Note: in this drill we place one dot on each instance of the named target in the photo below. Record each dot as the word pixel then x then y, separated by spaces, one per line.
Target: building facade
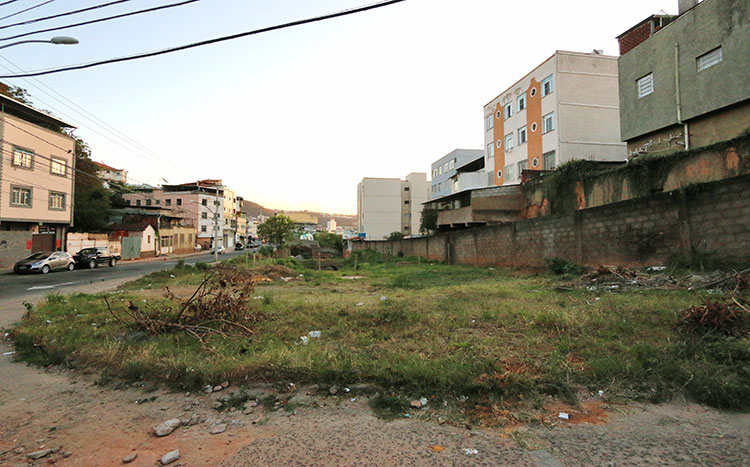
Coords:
pixel 387 205
pixel 445 167
pixel 683 84
pixel 37 169
pixel 111 174
pixel 566 108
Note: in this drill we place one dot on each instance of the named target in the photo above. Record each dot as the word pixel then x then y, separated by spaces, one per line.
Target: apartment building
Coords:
pixel 683 78
pixel 387 205
pixel 445 168
pixel 37 168
pixel 111 174
pixel 566 108
pixel 200 203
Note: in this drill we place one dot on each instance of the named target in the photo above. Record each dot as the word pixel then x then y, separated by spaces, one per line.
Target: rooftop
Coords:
pixel 30 114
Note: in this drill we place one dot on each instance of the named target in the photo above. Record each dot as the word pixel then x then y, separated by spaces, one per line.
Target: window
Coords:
pixel 58 166
pixel 204 202
pixel 645 85
pixel 182 238
pixel 129 202
pixel 204 215
pixel 523 165
pixel 203 228
pixel 137 202
pixel 499 174
pixel 522 135
pixel 490 124
pixel 22 158
pixel 499 143
pixel 148 202
pixel 709 59
pixel 445 167
pixel 508 142
pixel 547 86
pixel 549 160
pixel 440 170
pixel 57 201
pixel 533 92
pixel 407 201
pixel 434 173
pixel 522 102
pixel 451 164
pixel 21 196
pixel 509 172
pixel 533 127
pixel 216 203
pixel 548 122
pixel 508 110
pixel 169 202
pixel 490 150
pixel 179 201
pixel 406 188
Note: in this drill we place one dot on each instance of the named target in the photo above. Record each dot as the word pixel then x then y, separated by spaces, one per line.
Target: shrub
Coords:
pixel 563 266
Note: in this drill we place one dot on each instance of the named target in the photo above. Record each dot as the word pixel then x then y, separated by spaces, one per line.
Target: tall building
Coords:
pixel 37 168
pixel 566 108
pixel 445 168
pixel 683 78
pixel 387 205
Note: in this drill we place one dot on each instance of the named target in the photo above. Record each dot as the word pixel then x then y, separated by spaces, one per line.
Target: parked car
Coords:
pixel 239 246
pixel 93 257
pixel 44 262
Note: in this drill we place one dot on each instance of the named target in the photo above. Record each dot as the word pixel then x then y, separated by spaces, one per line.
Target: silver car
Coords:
pixel 44 262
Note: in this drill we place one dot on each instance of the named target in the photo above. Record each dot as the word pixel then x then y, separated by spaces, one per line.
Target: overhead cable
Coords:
pixel 67 13
pixel 203 43
pixel 98 20
pixel 27 9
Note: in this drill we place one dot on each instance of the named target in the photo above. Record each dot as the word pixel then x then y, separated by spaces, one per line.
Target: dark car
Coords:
pixel 93 257
pixel 44 262
pixel 239 246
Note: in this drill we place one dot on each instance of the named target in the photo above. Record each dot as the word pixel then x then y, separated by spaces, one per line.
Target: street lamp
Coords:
pixel 57 40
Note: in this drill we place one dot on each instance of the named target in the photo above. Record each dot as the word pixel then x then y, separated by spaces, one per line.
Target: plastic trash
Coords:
pixel 259 297
pixel 601 393
pixel 305 340
pixel 423 401
pixel 383 298
pixel 347 389
pixel 470 451
pixel 563 416
pixel 314 334
pixel 9 353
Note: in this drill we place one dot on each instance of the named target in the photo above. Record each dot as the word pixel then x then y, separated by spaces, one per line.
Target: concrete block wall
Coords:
pixel 711 218
pixel 14 246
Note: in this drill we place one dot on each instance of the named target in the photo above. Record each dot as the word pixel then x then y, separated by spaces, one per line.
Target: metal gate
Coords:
pixel 43 241
pixel 131 247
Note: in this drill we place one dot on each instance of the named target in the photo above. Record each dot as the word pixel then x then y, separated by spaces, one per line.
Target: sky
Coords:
pixel 294 119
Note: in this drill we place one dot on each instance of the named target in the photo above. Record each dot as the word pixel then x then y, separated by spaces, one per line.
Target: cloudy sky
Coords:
pixel 293 119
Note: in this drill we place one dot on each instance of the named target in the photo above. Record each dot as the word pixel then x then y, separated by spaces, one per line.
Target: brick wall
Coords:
pixel 634 37
pixel 709 218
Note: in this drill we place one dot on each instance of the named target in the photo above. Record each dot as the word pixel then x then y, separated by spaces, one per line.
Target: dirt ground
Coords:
pixel 95 426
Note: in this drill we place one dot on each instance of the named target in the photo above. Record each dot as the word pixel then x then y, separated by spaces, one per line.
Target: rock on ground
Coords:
pixel 170 457
pixel 165 428
pixel 129 458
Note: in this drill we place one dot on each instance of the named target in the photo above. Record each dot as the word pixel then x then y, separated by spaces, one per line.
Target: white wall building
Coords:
pixel 387 205
pixel 566 108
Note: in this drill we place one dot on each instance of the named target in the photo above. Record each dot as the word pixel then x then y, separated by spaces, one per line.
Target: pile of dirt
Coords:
pixel 274 271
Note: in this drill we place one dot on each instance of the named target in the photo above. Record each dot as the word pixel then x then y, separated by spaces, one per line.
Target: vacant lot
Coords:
pixel 488 338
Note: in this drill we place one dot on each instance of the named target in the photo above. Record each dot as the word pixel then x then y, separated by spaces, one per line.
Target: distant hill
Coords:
pixel 342 220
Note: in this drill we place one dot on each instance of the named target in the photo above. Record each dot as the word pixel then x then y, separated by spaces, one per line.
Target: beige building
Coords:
pixel 37 168
pixel 111 174
pixel 566 108
pixel 387 205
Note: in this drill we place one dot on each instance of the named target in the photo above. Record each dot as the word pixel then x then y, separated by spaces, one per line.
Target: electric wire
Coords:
pixel 205 42
pixel 8 2
pixel 99 20
pixel 88 116
pixel 67 13
pixel 27 9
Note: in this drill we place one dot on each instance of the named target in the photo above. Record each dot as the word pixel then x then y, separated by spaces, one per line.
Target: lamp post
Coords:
pixel 57 40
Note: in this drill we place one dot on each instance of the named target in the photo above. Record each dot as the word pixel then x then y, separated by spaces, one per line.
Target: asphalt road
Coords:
pixel 15 289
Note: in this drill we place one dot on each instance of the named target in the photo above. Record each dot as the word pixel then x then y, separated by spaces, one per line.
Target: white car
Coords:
pixel 221 250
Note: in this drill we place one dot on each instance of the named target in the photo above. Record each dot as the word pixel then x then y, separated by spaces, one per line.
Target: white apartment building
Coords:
pixel 387 205
pixel 566 108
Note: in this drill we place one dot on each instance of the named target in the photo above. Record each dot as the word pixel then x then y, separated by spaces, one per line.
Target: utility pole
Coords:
pixel 216 225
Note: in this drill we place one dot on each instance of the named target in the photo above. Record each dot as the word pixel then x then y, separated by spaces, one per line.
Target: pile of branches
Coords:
pixel 218 306
pixel 615 278
pixel 728 317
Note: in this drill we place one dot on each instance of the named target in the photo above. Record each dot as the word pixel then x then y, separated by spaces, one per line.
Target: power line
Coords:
pixel 89 116
pixel 27 9
pixel 206 42
pixel 9 1
pixel 68 13
pixel 99 20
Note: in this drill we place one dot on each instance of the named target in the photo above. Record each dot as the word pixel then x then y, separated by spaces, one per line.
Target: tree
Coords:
pixel 428 221
pixel 395 236
pixel 276 229
pixel 91 202
pixel 330 240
